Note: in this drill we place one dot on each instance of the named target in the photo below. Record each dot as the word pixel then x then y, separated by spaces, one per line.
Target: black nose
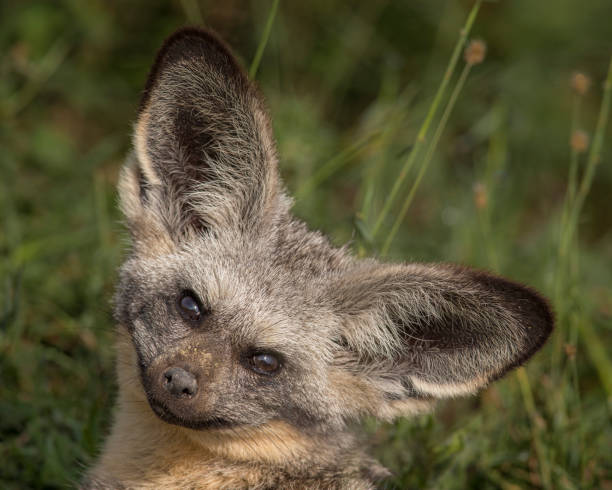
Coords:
pixel 180 383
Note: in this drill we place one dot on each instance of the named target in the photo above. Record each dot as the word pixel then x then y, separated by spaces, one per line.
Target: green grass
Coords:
pixel 349 89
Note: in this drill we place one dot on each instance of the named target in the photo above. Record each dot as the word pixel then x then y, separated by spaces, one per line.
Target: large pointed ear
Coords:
pixel 433 331
pixel 204 156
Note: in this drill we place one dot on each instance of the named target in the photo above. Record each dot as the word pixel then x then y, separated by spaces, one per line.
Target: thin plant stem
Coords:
pixel 495 161
pixel 484 219
pixel 561 274
pixel 574 208
pixel 422 134
pixel 535 426
pixel 484 213
pixel 599 356
pixel 192 12
pixel 428 156
pixel 592 162
pixel 573 172
pixel 575 385
pixel 264 39
pixel 598 139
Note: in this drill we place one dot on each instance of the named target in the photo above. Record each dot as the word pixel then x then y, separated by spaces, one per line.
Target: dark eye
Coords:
pixel 264 364
pixel 189 307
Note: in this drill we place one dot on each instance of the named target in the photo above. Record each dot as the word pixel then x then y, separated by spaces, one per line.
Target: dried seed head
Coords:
pixel 20 53
pixel 579 141
pixel 475 52
pixel 540 422
pixel 480 195
pixel 570 351
pixel 580 83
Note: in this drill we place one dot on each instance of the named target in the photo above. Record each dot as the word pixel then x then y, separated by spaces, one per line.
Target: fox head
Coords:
pixel 237 315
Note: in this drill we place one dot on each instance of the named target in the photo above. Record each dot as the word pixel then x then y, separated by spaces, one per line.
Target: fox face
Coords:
pixel 239 316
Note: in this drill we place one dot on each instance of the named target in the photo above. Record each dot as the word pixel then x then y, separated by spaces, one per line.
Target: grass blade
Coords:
pixel 422 134
pixel 264 39
pixel 428 156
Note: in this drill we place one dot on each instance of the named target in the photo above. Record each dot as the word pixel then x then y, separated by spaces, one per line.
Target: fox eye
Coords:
pixel 189 306
pixel 267 364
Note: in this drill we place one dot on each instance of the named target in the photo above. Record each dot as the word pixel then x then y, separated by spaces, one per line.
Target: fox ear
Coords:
pixel 434 331
pixel 204 155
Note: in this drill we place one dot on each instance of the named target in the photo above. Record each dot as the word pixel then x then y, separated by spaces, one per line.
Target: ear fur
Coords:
pixel 204 154
pixel 436 330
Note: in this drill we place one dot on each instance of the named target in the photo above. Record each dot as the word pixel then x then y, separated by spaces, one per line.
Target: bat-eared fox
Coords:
pixel 247 344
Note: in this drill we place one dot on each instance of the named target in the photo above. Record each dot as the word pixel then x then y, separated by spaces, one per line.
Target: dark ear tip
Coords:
pixel 544 311
pixel 184 42
pixel 536 310
pixel 542 316
pixel 190 43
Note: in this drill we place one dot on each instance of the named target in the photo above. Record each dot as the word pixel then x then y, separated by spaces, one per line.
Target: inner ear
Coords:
pixel 444 330
pixel 479 330
pixel 190 108
pixel 203 144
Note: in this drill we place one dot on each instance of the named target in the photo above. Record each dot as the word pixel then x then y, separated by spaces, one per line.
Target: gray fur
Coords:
pixel 208 214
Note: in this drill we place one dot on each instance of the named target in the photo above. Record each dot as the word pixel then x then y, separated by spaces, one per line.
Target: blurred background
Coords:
pixel 348 85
